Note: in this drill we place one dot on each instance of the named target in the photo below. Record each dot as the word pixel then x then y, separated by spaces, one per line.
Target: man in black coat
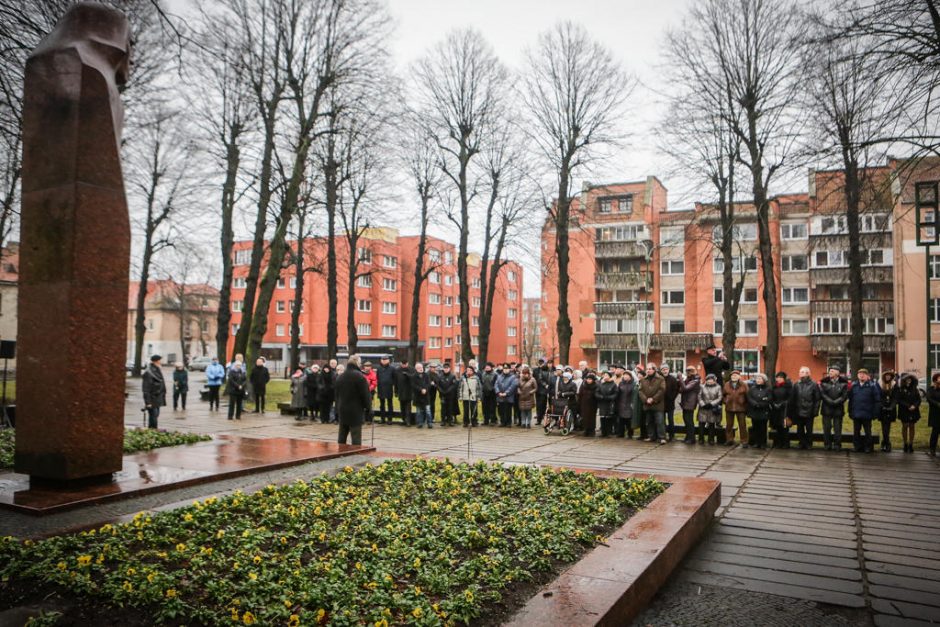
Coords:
pixel 834 390
pixel 403 389
pixel 385 379
pixel 805 401
pixel 543 384
pixel 259 381
pixel 352 401
pixel 672 393
pixel 782 395
pixel 716 363
pixel 154 389
pixel 434 376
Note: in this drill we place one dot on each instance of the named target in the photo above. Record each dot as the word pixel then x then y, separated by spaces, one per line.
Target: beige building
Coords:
pixel 179 319
pixel 9 277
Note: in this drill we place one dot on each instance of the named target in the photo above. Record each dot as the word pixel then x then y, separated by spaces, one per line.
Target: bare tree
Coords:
pixel 573 92
pixel 460 85
pixel 753 47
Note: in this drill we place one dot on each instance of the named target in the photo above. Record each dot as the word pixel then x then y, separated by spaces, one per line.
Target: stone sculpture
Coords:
pixel 75 249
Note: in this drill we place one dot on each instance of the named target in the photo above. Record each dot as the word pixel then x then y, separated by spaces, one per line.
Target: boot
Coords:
pixel 701 433
pixel 711 434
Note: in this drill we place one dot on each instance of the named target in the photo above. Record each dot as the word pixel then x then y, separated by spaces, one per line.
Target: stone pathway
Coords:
pixel 807 538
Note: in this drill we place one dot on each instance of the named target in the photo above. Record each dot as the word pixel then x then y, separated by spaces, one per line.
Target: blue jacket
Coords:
pixel 864 401
pixel 507 383
pixel 215 374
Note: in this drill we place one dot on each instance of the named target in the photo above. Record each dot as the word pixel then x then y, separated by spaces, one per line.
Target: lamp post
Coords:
pixel 927 205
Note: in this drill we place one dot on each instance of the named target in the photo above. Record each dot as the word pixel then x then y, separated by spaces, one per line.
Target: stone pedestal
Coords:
pixel 75 251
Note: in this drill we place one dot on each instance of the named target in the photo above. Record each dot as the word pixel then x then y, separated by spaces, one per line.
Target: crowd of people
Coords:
pixel 643 402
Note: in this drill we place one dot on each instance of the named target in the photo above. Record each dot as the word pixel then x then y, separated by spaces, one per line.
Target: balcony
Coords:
pixel 622 341
pixel 843 308
pixel 839 276
pixel 681 341
pixel 619 250
pixel 620 310
pixel 624 281
pixel 839 343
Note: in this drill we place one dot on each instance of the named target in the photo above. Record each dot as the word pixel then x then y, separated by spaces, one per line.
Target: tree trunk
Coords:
pixel 332 323
pixel 852 200
pixel 140 327
pixel 466 345
pixel 486 315
pixel 298 295
pixel 352 338
pixel 227 238
pixel 182 313
pixel 419 281
pixel 562 250
pixel 765 246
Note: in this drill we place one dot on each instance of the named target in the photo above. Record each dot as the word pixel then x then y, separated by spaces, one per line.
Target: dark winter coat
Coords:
pixel 180 380
pixel 587 403
pixel 715 365
pixel 569 391
pixel 311 383
pixel 154 386
pixel 403 385
pixel 672 393
pixel 259 378
pixel 448 386
pixel 933 402
pixel 543 381
pixel 760 399
pixel 352 396
pixel 735 396
pixel 864 401
pixel 626 391
pixel 782 394
pixel 527 390
pixel 908 396
pixel 298 390
pixel 326 383
pixel 385 376
pixel 834 393
pixel 506 384
pixel 805 398
pixel 488 384
pixel 237 383
pixel 889 401
pixel 420 388
pixel 607 394
pixel 653 387
pixel 688 392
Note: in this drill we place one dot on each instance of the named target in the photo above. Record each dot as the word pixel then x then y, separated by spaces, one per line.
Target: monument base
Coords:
pixel 45 483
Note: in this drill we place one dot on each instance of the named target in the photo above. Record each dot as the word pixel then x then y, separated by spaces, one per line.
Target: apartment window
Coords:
pixel 830 326
pixel 830 259
pixel 475 301
pixel 512 295
pixel 434 278
pixel 448 256
pixel 673 267
pixel 448 342
pixel 434 342
pixel 830 225
pixel 205 326
pixel 434 321
pixel 474 321
pixel 747 361
pixel 675 361
pixel 719 327
pixel 750 264
pixel 934 357
pixel 239 283
pixel 291 306
pixel 150 322
pixel 449 321
pixel 235 328
pixel 874 222
pixel 281 283
pixel 719 295
pixel 458 340
pixel 621 233
pixel 388 307
pixel 449 301
pixel 389 261
pixel 511 349
pixel 237 306
pixel 748 326
pixel 795 295
pixel 434 299
pixel 792 326
pixel 280 306
pixel 793 231
pixel 605 205
pixel 365 255
pixel 364 281
pixel 475 283
pixel 389 330
pixel 511 313
pixel 511 276
pixel 672 236
pixel 625 204
pixel 739 232
pixel 475 340
pixel 293 282
pixel 363 305
pixel 935 309
pixel 794 263
pixel 279 330
pixel 673 326
pixel 300 330
pixel 448 279
pixel 243 256
pixel 838 292
pixel 364 328
pixel 880 326
pixel 511 331
pixel 749 295
pixel 673 297
pixel 876 257
pixel 389 285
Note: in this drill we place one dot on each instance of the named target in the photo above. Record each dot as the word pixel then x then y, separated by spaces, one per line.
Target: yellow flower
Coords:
pixel 248 618
pixel 294 620
pixel 220 533
pixel 170 593
pixel 188 518
pixel 417 562
pixel 256 559
pixel 358 565
pixel 417 589
pixel 128 587
pixel 320 614
pixel 235 566
pixel 131 572
pixel 417 612
pixel 180 547
pixel 84 560
pixel 468 595
pixel 283 540
pixel 246 533
pixel 253 576
pixel 151 577
pixel 61 565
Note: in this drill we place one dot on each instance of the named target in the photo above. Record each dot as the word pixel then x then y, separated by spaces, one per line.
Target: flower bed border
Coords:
pixel 613 583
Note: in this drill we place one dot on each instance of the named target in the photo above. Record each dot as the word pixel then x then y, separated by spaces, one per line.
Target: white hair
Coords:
pixel 354 360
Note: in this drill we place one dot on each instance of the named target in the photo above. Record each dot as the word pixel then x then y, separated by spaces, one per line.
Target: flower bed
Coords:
pixel 135 441
pixel 406 542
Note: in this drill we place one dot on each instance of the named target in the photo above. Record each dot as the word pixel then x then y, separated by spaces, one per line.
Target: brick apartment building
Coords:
pixel 630 254
pixel 383 301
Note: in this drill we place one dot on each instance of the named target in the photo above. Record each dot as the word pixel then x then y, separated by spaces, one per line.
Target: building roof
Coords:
pixel 162 294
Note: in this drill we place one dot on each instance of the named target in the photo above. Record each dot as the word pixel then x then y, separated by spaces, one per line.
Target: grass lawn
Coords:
pixel 407 542
pixel 135 440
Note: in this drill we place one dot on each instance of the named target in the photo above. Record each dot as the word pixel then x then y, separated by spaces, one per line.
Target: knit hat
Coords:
pixel 712 377
pixel 781 375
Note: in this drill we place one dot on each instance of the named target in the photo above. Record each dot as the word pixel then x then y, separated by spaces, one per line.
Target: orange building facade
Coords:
pixel 630 254
pixel 383 301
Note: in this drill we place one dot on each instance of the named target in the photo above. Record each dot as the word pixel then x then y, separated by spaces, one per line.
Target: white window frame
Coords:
pixel 787 228
pixel 668 267
pixel 786 328
pixel 668 298
pixel 389 285
pixel 363 304
pixel 788 295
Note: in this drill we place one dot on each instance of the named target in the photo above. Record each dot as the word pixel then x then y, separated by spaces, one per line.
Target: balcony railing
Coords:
pixel 839 343
pixel 837 276
pixel 621 341
pixel 681 341
pixel 618 250
pixel 624 280
pixel 843 308
pixel 620 310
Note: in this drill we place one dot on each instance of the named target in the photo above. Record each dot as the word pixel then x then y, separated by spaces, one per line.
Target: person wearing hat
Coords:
pixel 507 385
pixel 543 386
pixel 488 394
pixel 715 362
pixel 154 389
pixel 652 397
pixel 237 389
pixel 624 404
pixel 864 407
pixel 709 408
pixel 759 402
pixel 735 399
pixel 805 401
pixel 469 394
pixel 688 400
pixel 889 407
pixel 526 396
pixel 780 416
pixel 448 387
pixel 834 390
pixel 587 403
pixel 607 391
pixel 669 400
